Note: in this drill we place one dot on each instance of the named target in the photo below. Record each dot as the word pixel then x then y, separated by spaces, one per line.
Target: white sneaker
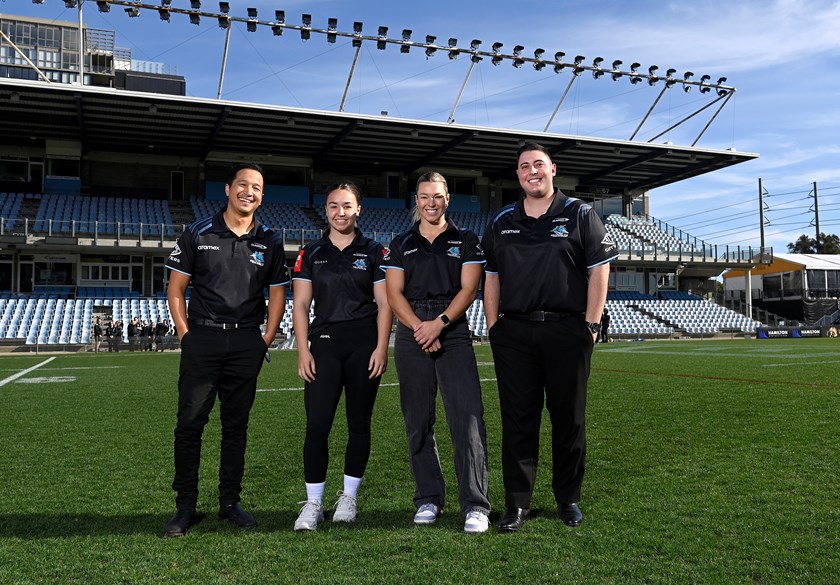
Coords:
pixel 477 521
pixel 345 508
pixel 428 513
pixel 310 515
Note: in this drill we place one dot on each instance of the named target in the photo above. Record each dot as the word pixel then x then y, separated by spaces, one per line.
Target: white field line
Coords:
pixel 14 377
pixel 802 364
pixel 392 384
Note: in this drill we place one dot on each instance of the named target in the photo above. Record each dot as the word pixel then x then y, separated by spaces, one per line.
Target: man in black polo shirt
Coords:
pixel 229 259
pixel 547 273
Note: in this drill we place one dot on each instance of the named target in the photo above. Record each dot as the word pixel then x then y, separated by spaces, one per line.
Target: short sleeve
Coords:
pixel 473 252
pixel 489 249
pixel 598 244
pixel 393 257
pixel 303 265
pixel 182 257
pixel 378 261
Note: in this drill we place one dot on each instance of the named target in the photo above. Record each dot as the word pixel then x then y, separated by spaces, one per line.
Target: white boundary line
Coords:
pixel 14 377
pixel 299 389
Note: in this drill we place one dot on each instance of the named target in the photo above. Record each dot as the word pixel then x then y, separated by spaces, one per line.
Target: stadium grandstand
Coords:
pixel 97 181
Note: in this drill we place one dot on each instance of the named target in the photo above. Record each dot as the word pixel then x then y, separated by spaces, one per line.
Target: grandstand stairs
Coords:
pixel 181 212
pixel 314 217
pixel 29 209
pixel 678 331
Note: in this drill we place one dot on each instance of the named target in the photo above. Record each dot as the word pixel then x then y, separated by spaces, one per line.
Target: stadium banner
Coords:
pixel 786 332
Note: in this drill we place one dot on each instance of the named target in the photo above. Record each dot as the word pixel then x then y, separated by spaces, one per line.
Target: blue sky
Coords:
pixel 783 57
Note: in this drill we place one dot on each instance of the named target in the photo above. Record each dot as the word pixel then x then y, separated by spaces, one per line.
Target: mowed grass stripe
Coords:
pixel 716 470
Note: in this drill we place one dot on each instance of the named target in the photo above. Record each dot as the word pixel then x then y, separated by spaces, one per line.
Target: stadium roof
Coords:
pixel 105 119
pixel 812 261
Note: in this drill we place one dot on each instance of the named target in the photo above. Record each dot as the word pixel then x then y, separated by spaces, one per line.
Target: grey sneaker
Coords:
pixel 345 508
pixel 428 513
pixel 477 521
pixel 310 515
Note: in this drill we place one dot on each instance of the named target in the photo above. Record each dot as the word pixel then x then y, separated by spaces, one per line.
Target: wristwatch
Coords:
pixel 593 327
pixel 444 318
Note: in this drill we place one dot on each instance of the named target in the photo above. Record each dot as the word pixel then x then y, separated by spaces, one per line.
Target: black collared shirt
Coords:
pixel 342 280
pixel 543 262
pixel 433 270
pixel 229 273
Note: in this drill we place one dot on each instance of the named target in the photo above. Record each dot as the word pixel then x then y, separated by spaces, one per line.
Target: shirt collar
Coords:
pixel 450 225
pixel 359 239
pixel 219 225
pixel 556 208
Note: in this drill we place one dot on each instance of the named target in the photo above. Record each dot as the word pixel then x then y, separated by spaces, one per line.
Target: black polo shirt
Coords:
pixel 433 270
pixel 229 273
pixel 342 280
pixel 543 262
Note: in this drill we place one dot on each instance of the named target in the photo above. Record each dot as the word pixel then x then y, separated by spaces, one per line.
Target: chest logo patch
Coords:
pixel 559 231
pixel 360 264
pixel 454 252
pixel 258 258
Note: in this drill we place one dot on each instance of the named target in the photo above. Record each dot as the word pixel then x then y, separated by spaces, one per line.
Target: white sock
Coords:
pixel 351 485
pixel 315 491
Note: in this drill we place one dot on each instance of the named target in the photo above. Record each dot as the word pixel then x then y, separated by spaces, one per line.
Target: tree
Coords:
pixel 829 244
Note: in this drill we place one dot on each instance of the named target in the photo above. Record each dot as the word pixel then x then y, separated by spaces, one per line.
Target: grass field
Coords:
pixel 709 462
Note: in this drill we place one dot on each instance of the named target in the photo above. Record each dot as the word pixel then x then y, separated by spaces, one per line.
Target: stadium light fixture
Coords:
pixel 669 77
pixel 103 6
pixel 476 58
pixel 558 61
pixel 430 40
pixel 704 84
pixel 406 37
pixel 166 3
pixel 134 12
pixel 517 52
pixel 332 24
pixel 195 4
pixel 37 1
pixel 596 63
pixel 70 3
pixel 357 31
pixel 453 51
pixel 224 7
pixel 279 21
pixel 538 55
pixel 616 74
pixel 224 21
pixel 382 33
pixel 721 92
pixel 252 20
pixel 497 59
pixel 579 59
pixel 687 76
pixel 634 70
pixel 474 44
pixel 195 18
pixel 164 14
pixel 652 72
pixel 305 32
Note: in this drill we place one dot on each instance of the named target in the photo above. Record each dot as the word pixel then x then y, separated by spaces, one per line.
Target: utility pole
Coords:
pixel 761 213
pixel 817 219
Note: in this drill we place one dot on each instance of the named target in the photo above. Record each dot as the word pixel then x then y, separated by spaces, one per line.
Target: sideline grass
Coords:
pixel 709 462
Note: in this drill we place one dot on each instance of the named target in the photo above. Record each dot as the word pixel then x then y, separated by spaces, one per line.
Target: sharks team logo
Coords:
pixel 559 231
pixel 360 264
pixel 258 258
pixel 454 252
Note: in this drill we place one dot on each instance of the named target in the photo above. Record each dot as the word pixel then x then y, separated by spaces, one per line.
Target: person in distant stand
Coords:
pixel 97 334
pixel 546 283
pixel 229 259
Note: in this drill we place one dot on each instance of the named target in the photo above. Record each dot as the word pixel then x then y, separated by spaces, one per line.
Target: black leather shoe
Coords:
pixel 513 519
pixel 239 517
pixel 570 514
pixel 183 520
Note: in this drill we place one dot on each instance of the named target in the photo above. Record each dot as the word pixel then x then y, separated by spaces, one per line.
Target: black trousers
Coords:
pixel 224 363
pixel 542 363
pixel 342 353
